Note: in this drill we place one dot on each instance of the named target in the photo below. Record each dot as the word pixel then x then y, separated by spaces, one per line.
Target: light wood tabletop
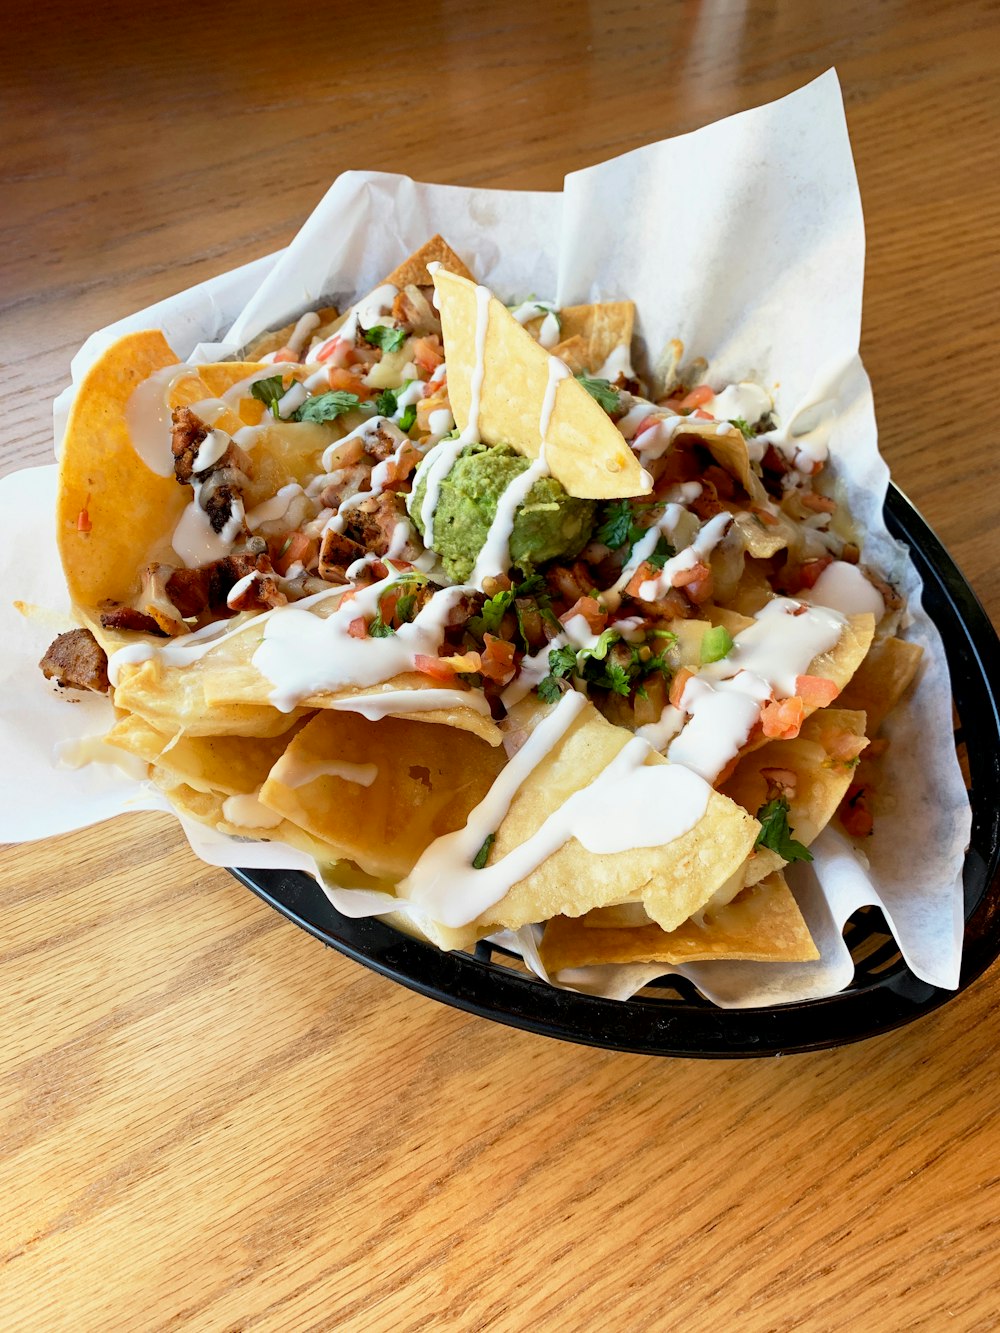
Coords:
pixel 209 1121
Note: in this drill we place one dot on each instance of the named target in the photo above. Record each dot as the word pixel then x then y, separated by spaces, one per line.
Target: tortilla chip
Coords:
pixel 209 808
pixel 729 449
pixel 100 473
pixel 760 539
pixel 590 333
pixel 414 268
pixel 821 784
pixel 265 343
pixel 428 781
pixel 571 351
pixel 230 765
pixel 844 658
pixel 882 679
pixel 762 924
pixel 584 448
pixel 673 880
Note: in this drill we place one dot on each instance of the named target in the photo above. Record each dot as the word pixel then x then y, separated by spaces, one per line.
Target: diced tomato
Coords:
pixel 336 351
pixel 646 573
pixel 678 684
pixel 438 386
pixel 286 354
pixel 647 423
pixel 811 570
pixel 349 382
pixel 782 718
pixel 855 811
pixel 427 352
pixel 698 397
pixel 682 577
pixel 358 628
pixel 701 589
pixel 301 549
pixel 816 691
pixel 591 610
pixel 498 659
pixel 702 416
pixel 437 667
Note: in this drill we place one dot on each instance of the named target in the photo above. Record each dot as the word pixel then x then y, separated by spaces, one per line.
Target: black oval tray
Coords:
pixel 672 1018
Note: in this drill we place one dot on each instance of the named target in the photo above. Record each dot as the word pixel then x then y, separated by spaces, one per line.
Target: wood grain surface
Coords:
pixel 207 1121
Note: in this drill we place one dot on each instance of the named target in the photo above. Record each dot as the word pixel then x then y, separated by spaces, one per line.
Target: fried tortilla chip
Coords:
pixel 584 448
pixel 882 679
pixel 821 780
pixel 673 880
pixel 230 765
pixel 590 333
pixel 379 792
pixel 763 924
pixel 265 343
pixel 413 270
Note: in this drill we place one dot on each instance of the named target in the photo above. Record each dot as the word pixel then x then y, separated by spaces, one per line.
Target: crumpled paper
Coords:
pixel 746 240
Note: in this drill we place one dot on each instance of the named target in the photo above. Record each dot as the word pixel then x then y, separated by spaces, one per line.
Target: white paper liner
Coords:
pixel 746 240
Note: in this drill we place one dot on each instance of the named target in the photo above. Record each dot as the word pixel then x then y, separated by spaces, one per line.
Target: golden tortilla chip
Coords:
pixel 762 924
pixel 265 343
pixel 760 539
pixel 882 679
pixel 226 813
pixel 413 270
pixel 821 780
pixel 729 449
pixel 380 792
pixel 230 765
pixel 590 333
pixel 673 880
pixel 584 448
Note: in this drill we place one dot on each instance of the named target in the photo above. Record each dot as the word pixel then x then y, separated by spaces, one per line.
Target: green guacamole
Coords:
pixel 549 524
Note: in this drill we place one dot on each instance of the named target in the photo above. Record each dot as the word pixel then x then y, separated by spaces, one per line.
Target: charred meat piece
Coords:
pixel 413 308
pixel 207 588
pixel 373 521
pixel 76 661
pixel 382 441
pixel 335 554
pixel 129 618
pixel 187 433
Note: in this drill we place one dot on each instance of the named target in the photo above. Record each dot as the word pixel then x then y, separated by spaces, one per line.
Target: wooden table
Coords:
pixel 211 1122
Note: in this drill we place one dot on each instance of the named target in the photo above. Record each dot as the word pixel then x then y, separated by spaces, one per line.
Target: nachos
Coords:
pixel 440 590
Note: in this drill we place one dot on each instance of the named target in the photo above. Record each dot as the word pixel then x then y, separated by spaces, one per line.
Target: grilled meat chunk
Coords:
pixel 76 661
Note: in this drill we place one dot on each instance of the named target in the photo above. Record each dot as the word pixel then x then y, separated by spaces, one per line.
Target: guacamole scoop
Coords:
pixel 550 523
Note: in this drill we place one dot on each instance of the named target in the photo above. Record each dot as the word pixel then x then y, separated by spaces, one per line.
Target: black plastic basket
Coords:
pixel 671 1017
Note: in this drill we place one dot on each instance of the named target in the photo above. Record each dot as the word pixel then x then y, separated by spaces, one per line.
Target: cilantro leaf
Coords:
pixel 385 403
pixel 269 391
pixel 617 678
pixel 483 855
pixel 326 406
pixel 494 610
pixel 603 391
pixel 406 607
pixel 776 834
pixel 390 340
pixel 378 629
pixel 562 660
pixel 744 427
pixel 549 690
pixel 616 525
pixel 660 554
pixel 408 418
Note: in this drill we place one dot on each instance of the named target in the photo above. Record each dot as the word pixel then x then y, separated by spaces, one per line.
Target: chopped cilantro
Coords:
pixel 776 834
pixel 496 607
pixel 390 340
pixel 326 406
pixel 660 553
pixel 549 690
pixel 269 391
pixel 482 856
pixel 406 607
pixel 562 660
pixel 744 427
pixel 616 526
pixel 408 418
pixel 385 403
pixel 715 644
pixel 378 629
pixel 603 391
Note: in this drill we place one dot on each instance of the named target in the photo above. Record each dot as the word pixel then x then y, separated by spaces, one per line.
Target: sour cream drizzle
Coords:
pixel 697 553
pixel 629 804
